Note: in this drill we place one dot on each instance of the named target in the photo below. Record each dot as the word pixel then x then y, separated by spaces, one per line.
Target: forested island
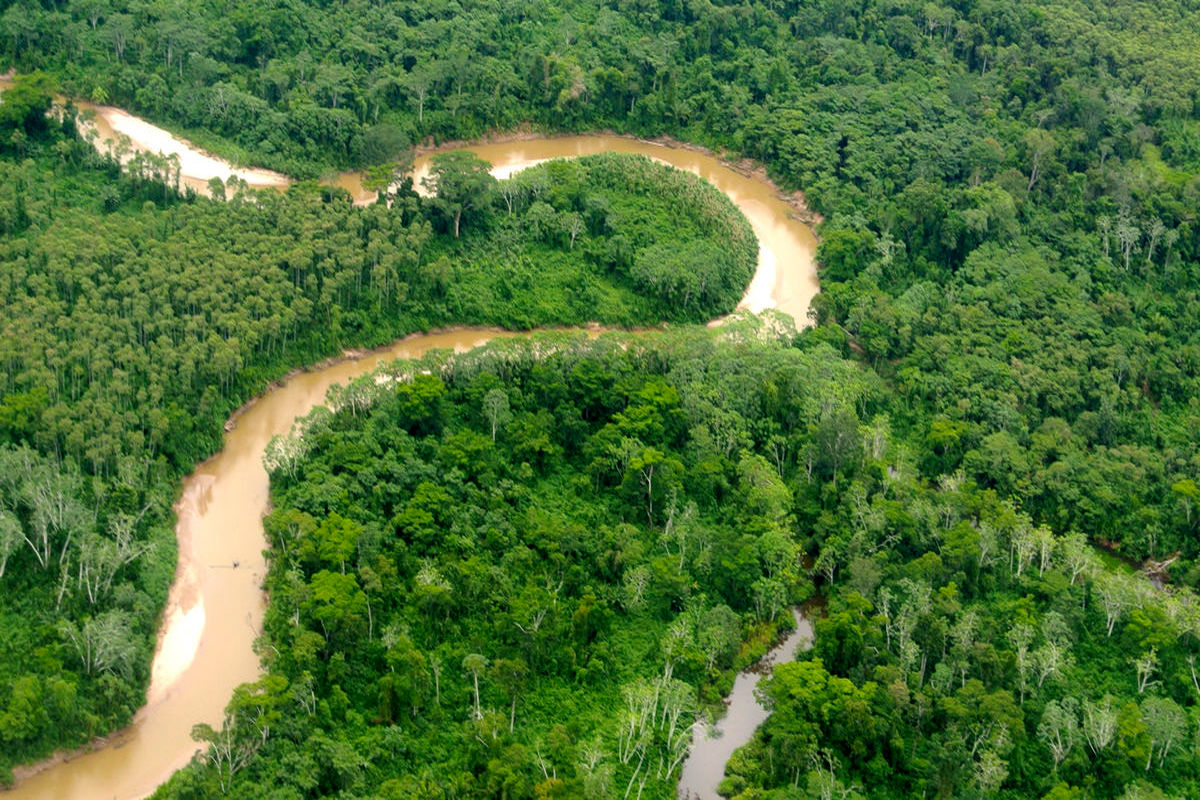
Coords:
pixel 525 571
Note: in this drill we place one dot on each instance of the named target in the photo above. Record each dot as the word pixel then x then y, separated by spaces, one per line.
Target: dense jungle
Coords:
pixel 525 571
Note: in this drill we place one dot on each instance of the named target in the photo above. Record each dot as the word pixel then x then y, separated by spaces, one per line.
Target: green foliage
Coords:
pixel 133 328
pixel 1010 236
pixel 968 652
pixel 525 622
pixel 461 182
pixel 23 110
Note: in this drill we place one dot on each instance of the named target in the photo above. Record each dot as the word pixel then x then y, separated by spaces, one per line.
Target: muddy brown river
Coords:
pixel 214 610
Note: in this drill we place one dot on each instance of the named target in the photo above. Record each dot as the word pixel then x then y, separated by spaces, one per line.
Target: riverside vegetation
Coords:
pixel 521 571
pixel 138 319
pixel 1010 193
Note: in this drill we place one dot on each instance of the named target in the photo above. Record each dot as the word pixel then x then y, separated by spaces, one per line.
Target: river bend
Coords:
pixel 214 611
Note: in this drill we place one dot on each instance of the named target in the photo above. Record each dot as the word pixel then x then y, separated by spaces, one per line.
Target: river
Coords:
pixel 214 610
pixel 712 746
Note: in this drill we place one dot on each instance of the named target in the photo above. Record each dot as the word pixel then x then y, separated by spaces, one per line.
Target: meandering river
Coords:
pixel 215 610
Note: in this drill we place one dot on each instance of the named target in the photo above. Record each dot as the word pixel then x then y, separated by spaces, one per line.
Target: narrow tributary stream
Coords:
pixel 214 610
pixel 713 745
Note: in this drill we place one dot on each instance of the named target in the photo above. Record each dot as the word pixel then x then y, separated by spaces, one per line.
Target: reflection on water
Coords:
pixel 180 641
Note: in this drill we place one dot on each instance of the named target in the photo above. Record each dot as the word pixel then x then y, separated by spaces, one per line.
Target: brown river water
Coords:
pixel 214 611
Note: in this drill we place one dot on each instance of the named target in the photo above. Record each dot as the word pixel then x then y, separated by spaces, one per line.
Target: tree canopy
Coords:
pixel 138 318
pixel 1009 194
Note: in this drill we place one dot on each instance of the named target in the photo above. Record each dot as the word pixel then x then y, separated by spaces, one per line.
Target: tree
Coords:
pixel 1146 666
pixel 418 82
pixel 1077 556
pixel 769 597
pixel 228 751
pixel 475 663
pixel 334 541
pixel 635 581
pixel 1104 226
pixel 104 643
pixel 677 702
pixel 719 635
pixel 335 602
pixel 1099 723
pixel 843 253
pixel 1040 145
pixel 1116 596
pixel 649 465
pixel 381 177
pixel 511 674
pixel 50 497
pixel 462 183
pixel 963 634
pixel 835 439
pixel 25 104
pixel 11 537
pixel 431 590
pixel 387 144
pixel 1166 724
pixel 99 558
pixel 1059 728
pixel 822 780
pixel 990 772
pixel 286 528
pixel 256 706
pixel 1023 548
pixel 1170 237
pixel 573 224
pixel 1050 660
pixel 409 678
pixel 1154 235
pixel 436 663
pixel 495 405
pixel 1020 637
pixel 216 188
pixel 284 454
pixel 1141 790
pixel 832 556
pixel 511 191
pixel 1128 234
pixel 542 221
pixel 1044 543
